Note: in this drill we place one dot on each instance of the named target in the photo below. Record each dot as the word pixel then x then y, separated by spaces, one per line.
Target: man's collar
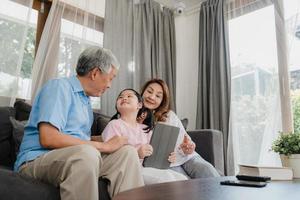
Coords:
pixel 76 85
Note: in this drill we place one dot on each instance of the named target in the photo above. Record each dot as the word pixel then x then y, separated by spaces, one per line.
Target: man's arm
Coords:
pixel 51 138
pixel 97 138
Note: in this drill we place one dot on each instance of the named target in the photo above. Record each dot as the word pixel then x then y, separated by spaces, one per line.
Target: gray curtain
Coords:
pixel 155 54
pixel 118 37
pixel 142 36
pixel 214 73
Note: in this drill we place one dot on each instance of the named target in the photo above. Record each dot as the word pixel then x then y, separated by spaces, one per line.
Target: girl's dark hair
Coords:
pixel 149 122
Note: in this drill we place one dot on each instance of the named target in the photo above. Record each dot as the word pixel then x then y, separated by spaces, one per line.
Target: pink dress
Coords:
pixel 136 135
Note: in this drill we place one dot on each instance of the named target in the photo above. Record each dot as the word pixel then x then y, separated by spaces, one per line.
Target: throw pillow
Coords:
pixel 5 136
pixel 185 123
pixel 5 125
pixel 102 121
pixel 18 132
pixel 22 110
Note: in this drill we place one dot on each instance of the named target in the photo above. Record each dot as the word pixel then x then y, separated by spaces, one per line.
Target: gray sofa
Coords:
pixel 13 186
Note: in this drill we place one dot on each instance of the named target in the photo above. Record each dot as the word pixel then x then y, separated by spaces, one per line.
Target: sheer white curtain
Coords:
pixel 17 36
pixel 261 36
pixel 291 11
pixel 71 26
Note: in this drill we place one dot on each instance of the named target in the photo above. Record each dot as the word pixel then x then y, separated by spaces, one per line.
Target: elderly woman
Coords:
pixel 188 162
pixel 57 146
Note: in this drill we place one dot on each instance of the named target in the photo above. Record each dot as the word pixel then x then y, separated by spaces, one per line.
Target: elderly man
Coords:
pixel 57 146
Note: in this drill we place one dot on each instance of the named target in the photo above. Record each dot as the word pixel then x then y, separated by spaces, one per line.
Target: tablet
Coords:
pixel 163 141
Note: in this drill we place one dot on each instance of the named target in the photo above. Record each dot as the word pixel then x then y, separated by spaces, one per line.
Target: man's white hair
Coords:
pixel 95 56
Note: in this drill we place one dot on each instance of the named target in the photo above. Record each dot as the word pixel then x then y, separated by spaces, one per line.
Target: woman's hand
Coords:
pixel 172 157
pixel 187 146
pixel 145 150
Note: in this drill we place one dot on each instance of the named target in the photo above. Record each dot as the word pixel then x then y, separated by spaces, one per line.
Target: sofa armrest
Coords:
pixel 15 186
pixel 209 144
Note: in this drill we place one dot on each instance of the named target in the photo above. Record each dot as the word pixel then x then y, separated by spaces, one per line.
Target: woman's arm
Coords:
pixel 186 144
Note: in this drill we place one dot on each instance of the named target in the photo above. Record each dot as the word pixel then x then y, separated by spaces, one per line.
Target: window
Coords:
pixel 81 25
pixel 79 29
pixel 292 21
pixel 74 39
pixel 257 40
pixel 17 39
pixel 255 88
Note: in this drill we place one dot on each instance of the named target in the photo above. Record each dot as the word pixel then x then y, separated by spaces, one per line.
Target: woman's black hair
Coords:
pixel 148 121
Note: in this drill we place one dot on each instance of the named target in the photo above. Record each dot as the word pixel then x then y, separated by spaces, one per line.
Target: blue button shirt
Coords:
pixel 62 103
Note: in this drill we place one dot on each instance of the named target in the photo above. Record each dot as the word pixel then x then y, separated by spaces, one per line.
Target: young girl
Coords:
pixel 124 123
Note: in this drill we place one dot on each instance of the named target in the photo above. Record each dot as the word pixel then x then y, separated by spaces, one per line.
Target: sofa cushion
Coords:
pixel 185 122
pixel 15 186
pixel 22 110
pixel 6 151
pixel 17 133
pixel 100 122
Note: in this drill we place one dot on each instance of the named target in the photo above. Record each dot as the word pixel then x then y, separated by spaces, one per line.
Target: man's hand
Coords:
pixel 187 146
pixel 97 138
pixel 172 157
pixel 145 150
pixel 113 144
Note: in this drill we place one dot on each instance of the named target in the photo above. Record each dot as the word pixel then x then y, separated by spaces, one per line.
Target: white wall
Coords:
pixel 187 37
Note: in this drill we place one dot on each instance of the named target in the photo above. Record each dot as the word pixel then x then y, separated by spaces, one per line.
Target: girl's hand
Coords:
pixel 142 117
pixel 172 157
pixel 145 150
pixel 187 146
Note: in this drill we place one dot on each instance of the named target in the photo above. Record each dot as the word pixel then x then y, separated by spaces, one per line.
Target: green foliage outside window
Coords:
pixel 288 144
pixel 296 110
pixel 10 43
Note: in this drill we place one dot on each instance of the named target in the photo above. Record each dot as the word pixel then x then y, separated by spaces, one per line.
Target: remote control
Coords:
pixel 253 178
pixel 244 183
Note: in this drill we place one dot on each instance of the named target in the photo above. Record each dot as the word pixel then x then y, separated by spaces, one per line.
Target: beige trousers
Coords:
pixel 76 170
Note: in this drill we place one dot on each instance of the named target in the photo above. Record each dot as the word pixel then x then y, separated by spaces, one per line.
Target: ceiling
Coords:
pixel 189 4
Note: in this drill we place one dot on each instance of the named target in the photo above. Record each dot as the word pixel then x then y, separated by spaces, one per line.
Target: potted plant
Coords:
pixel 288 146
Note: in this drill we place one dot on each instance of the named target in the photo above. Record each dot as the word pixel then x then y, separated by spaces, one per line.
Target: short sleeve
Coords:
pixel 111 130
pixel 174 120
pixel 53 103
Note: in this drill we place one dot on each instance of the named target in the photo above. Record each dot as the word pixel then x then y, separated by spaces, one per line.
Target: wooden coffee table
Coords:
pixel 210 189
